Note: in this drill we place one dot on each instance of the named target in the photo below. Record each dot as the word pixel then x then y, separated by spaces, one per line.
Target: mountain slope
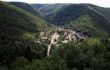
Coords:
pixel 26 7
pixel 85 17
pixel 14 22
pixel 50 10
pixel 92 23
pixel 46 9
pixel 105 12
pixel 65 14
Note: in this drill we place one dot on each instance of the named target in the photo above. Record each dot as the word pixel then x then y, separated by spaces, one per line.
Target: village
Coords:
pixel 60 36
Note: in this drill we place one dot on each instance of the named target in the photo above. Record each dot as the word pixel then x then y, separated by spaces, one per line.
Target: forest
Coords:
pixel 22 47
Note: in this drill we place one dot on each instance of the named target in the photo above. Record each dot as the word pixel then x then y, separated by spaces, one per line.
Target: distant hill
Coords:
pixel 46 9
pixel 51 10
pixel 85 17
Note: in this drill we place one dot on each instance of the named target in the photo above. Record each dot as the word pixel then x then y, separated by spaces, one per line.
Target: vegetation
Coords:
pixel 20 51
pixel 18 30
pixel 26 7
pixel 84 17
pixel 87 24
pixel 46 9
pixel 91 54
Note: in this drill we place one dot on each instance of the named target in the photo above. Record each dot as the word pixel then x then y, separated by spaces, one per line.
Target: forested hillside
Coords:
pixel 76 37
pixel 17 27
pixel 84 17
pixel 46 9
pixel 26 7
pixel 92 23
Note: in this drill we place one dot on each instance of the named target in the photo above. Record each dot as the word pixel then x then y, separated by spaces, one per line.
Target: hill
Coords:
pixel 15 22
pixel 25 38
pixel 51 9
pixel 18 32
pixel 85 17
pixel 26 7
pixel 46 9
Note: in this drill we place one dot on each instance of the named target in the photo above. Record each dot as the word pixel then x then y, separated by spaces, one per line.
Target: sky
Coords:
pixel 103 3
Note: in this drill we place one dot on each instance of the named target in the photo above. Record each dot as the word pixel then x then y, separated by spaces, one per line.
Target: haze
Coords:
pixel 103 3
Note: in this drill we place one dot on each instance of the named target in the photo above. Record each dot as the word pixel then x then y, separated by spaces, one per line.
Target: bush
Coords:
pixel 19 63
pixel 50 63
pixel 87 54
pixel 3 68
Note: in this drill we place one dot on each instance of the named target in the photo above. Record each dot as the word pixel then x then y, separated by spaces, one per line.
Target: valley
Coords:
pixel 54 36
